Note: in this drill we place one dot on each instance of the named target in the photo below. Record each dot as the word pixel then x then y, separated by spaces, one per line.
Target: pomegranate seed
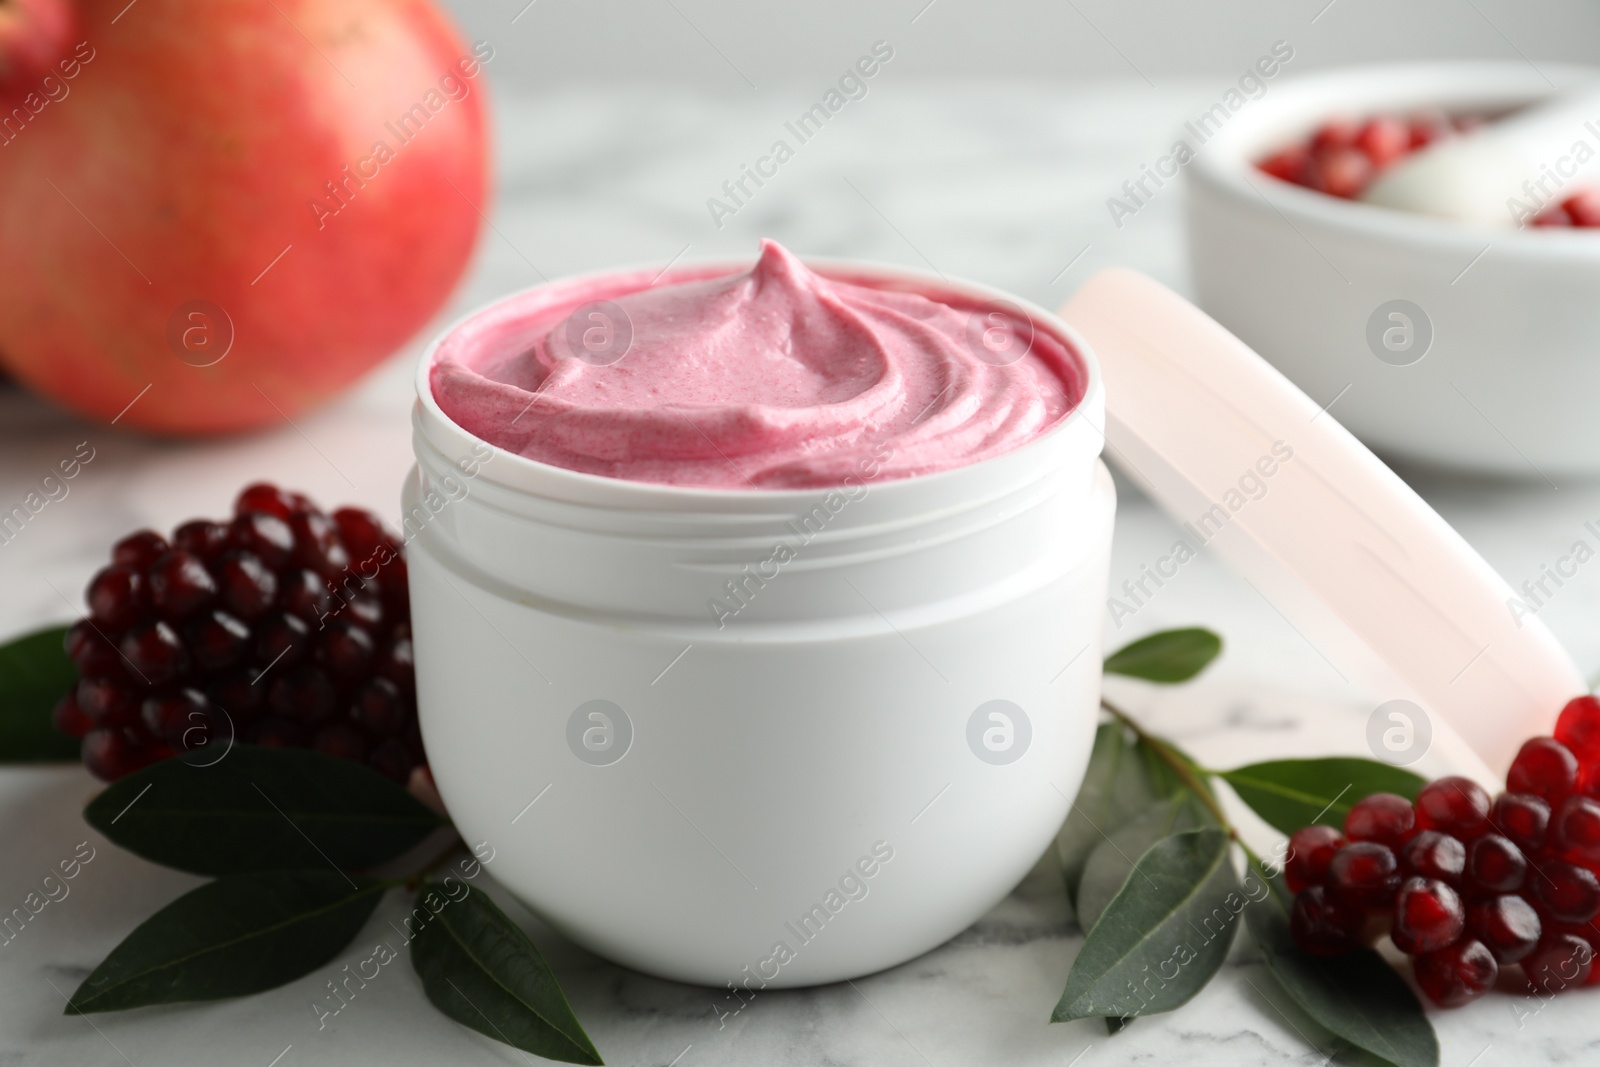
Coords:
pixel 266 498
pixel 1289 165
pixel 1561 961
pixel 1459 973
pixel 341 740
pixel 273 732
pixel 1335 133
pixel 1428 915
pixel 68 718
pixel 1310 849
pixel 1495 865
pixel 366 609
pixel 397 663
pixel 249 588
pixel 346 650
pixel 90 652
pixel 1363 875
pixel 362 533
pixel 218 641
pixel 266 536
pixel 1384 139
pixel 396 583
pixel 1583 207
pixel 111 753
pixel 381 708
pixel 1343 172
pixel 138 550
pixel 237 693
pixel 1522 817
pixel 1566 892
pixel 1507 925
pixel 1431 854
pixel 118 596
pixel 281 640
pixel 304 694
pixel 1321 926
pixel 1544 767
pixel 156 652
pixel 182 638
pixel 202 539
pixel 180 585
pixel 170 716
pixel 107 701
pixel 1385 818
pixel 1579 728
pixel 1577 830
pixel 305 595
pixel 1456 806
pixel 316 544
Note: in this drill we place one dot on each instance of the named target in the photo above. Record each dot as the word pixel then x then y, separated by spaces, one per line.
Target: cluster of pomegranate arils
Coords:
pixel 1465 885
pixel 283 627
pixel 1343 156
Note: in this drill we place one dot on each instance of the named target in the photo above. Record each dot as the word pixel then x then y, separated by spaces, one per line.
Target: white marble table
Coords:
pixel 1006 184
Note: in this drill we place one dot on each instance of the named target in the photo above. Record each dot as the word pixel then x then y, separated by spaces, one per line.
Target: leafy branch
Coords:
pixel 1149 857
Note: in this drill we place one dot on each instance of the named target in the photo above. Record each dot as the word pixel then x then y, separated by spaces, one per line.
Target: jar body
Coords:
pixel 755 738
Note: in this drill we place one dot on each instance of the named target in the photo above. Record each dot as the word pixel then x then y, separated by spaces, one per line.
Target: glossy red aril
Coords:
pixel 258 629
pixel 1579 728
pixel 1576 830
pixel 1321 925
pixel 1566 892
pixel 1522 817
pixel 139 549
pixel 1428 915
pixel 1506 924
pixel 1310 849
pixel 1456 806
pixel 1343 156
pixel 1486 884
pixel 1431 854
pixel 1385 818
pixel 1459 973
pixel 1561 961
pixel 1544 767
pixel 1363 875
pixel 1495 865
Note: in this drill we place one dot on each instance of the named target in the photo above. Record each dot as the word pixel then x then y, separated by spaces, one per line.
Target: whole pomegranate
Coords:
pixel 242 206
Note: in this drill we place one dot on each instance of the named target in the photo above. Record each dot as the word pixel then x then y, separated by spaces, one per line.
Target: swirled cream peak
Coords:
pixel 775 377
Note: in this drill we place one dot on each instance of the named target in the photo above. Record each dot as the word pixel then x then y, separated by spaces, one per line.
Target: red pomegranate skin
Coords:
pixel 181 163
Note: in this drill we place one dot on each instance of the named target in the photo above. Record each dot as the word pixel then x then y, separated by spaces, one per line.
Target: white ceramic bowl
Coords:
pixel 1510 383
pixel 826 772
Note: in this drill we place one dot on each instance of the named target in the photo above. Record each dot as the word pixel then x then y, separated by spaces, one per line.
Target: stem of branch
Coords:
pixel 1180 766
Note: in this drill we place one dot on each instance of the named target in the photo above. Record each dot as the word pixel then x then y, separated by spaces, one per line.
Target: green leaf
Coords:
pixel 1115 1024
pixel 1293 793
pixel 35 673
pixel 1358 997
pixel 231 937
pixel 1163 936
pixel 1124 778
pixel 1169 656
pixel 1113 859
pixel 479 968
pixel 260 809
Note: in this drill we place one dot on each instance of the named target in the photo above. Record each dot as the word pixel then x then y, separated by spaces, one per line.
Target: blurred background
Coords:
pixel 566 43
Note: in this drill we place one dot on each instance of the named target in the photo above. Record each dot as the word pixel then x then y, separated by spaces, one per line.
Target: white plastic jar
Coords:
pixel 858 754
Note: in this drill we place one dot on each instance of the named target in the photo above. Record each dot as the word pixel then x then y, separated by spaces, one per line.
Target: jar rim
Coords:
pixel 512 470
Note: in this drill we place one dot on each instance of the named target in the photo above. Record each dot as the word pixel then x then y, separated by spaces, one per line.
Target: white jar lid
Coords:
pixel 1386 590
